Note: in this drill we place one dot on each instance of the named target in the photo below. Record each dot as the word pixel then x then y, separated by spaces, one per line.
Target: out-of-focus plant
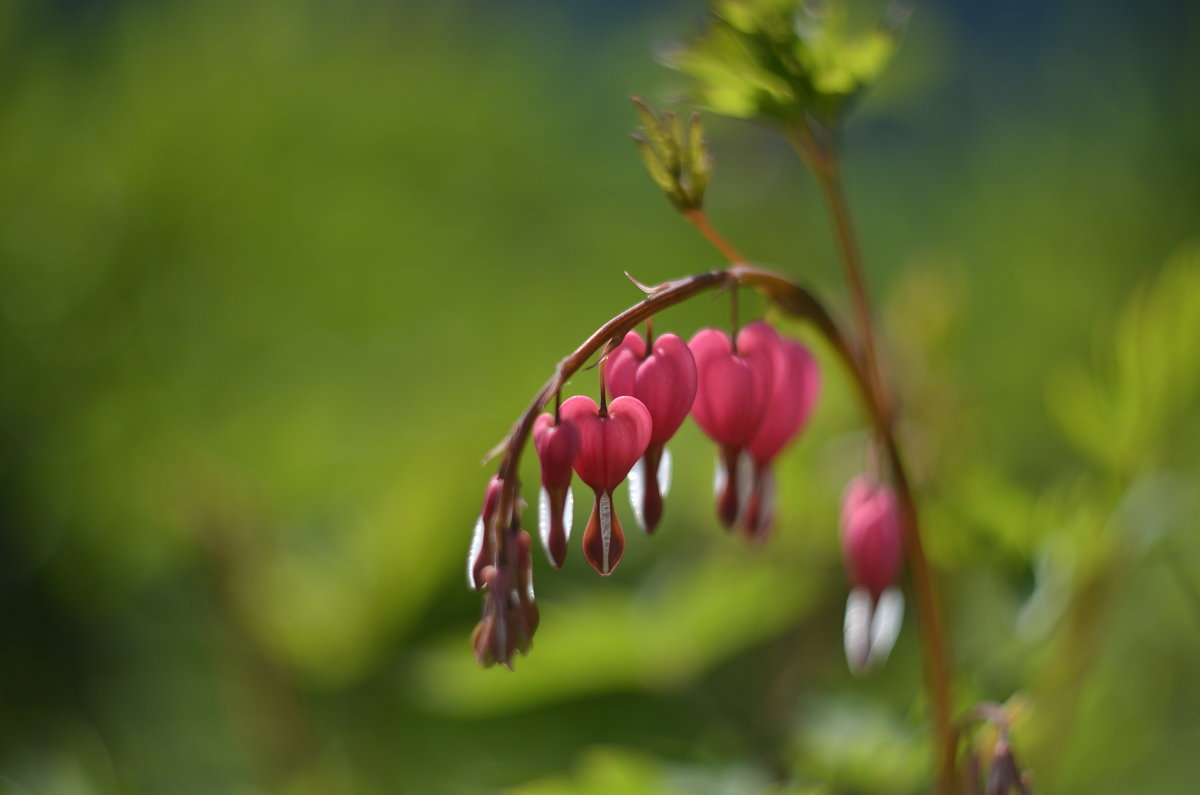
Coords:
pixel 796 67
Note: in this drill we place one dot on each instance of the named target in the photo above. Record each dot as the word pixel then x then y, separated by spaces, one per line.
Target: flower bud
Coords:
pixel 510 616
pixel 557 444
pixel 872 549
pixel 481 550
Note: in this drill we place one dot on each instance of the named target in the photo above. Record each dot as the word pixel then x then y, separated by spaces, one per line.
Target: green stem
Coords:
pixel 823 162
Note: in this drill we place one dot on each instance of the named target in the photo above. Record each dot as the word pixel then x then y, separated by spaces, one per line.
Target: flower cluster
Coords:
pixel 751 394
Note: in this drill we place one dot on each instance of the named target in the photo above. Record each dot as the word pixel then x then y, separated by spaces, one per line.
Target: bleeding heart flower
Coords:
pixel 510 616
pixel 794 391
pixel 610 444
pixel 872 548
pixel 732 395
pixel 664 380
pixel 481 551
pixel 557 444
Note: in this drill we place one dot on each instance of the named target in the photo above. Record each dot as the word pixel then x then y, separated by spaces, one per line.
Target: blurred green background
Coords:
pixel 275 275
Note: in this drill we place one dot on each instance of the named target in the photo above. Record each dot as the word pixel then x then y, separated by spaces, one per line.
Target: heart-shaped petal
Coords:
pixel 664 380
pixel 557 444
pixel 795 383
pixel 620 369
pixel 872 547
pixel 732 389
pixel 611 444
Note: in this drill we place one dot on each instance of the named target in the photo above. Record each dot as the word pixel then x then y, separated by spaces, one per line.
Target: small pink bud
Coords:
pixel 610 444
pixel 733 391
pixel 481 551
pixel 557 446
pixel 872 549
pixel 664 380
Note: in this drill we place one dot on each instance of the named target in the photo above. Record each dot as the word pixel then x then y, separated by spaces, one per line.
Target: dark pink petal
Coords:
pixel 793 395
pixel 758 515
pixel 603 540
pixel 609 445
pixel 556 445
pixel 872 547
pixel 554 522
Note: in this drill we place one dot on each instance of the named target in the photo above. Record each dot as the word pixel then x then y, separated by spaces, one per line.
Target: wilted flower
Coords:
pixel 612 439
pixel 664 380
pixel 510 616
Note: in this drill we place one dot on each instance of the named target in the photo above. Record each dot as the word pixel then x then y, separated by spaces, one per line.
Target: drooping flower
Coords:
pixel 557 444
pixel 872 549
pixel 510 616
pixel 732 394
pixel 611 441
pixel 795 384
pixel 482 547
pixel 664 380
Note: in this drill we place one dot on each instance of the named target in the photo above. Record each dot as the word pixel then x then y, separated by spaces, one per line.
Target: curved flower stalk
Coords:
pixel 798 68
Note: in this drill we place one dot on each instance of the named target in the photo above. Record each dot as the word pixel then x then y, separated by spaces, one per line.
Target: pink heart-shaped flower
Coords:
pixel 872 547
pixel 664 380
pixel 795 383
pixel 732 389
pixel 609 445
pixel 557 444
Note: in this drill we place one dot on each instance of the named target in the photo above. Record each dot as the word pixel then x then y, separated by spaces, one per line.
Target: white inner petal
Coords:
pixel 473 551
pixel 637 491
pixel 605 524
pixel 720 477
pixel 544 518
pixel 885 625
pixel 568 513
pixel 856 629
pixel 664 473
pixel 745 473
